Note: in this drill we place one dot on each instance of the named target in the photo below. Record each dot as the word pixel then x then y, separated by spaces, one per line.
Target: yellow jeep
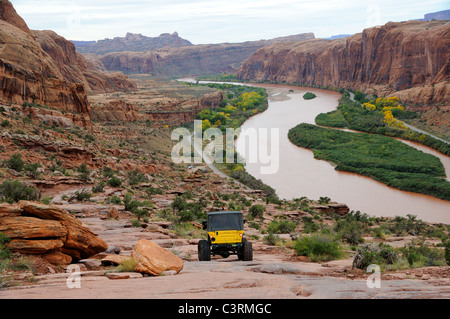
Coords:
pixel 225 237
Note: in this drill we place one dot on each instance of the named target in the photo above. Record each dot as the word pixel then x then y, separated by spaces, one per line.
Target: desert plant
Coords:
pixel 446 243
pixel 130 203
pixel 15 162
pixel 381 254
pixel 114 182
pixel 257 211
pixel 319 247
pixel 280 227
pixel 99 188
pixel 127 265
pixel 13 191
pixel 272 239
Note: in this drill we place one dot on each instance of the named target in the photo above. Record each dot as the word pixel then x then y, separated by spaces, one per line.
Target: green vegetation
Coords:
pixel 15 162
pixel 309 96
pixel 378 116
pixel 13 191
pixel 240 103
pixel 381 158
pixel 319 247
pixel 219 77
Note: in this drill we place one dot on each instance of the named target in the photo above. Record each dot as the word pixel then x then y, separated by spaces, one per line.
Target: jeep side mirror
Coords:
pixel 204 224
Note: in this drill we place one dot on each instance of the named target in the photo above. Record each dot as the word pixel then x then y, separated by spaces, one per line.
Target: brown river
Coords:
pixel 299 174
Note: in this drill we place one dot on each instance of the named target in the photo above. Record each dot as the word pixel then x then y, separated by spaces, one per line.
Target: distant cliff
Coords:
pixel 190 60
pixel 412 57
pixel 132 42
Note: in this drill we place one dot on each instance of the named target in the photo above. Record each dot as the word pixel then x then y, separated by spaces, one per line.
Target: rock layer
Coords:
pixel 38 229
pixel 386 59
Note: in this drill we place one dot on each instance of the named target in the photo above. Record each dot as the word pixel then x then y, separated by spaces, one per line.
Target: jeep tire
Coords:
pixel 204 252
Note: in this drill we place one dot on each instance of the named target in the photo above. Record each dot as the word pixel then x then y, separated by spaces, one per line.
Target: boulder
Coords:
pixel 113 213
pixel 79 238
pixel 154 260
pixel 38 229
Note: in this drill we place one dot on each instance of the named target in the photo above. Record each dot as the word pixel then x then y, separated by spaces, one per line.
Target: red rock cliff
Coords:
pixel 412 56
pixel 44 68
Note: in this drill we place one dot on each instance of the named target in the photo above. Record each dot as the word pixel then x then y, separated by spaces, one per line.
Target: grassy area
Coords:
pixel 378 116
pixel 381 158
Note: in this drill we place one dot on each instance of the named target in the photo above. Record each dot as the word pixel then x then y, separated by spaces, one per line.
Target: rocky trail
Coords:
pixel 271 275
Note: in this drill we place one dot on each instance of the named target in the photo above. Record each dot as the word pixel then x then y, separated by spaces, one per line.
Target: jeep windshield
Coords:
pixel 225 221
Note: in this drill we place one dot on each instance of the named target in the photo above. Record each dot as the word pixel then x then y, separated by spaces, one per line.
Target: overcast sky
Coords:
pixel 216 21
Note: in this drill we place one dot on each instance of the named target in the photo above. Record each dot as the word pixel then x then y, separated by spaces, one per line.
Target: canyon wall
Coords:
pixel 410 59
pixel 41 67
pixel 190 60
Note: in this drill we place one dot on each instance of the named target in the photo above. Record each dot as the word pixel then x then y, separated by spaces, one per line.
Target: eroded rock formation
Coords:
pixel 37 229
pixel 188 60
pixel 398 56
pixel 43 68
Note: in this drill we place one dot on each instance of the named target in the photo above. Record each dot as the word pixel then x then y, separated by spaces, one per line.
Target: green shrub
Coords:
pixel 319 247
pixel 15 162
pixel 179 204
pixel 108 172
pixel 99 188
pixel 420 255
pixel 380 254
pixel 351 232
pixel 127 265
pixel 130 203
pixel 5 253
pixel 12 191
pixel 257 211
pixel 446 243
pixel 135 178
pixel 281 227
pixel 309 226
pixel 114 182
pixel 272 239
pixel 114 200
pixel 32 170
pixel 83 196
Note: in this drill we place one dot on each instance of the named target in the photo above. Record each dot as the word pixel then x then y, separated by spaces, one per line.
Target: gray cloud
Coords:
pixel 202 21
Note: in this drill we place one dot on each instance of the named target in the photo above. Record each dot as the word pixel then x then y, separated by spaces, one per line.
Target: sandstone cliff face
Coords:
pixel 28 74
pixel 189 60
pixel 44 68
pixel 387 59
pixel 75 68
